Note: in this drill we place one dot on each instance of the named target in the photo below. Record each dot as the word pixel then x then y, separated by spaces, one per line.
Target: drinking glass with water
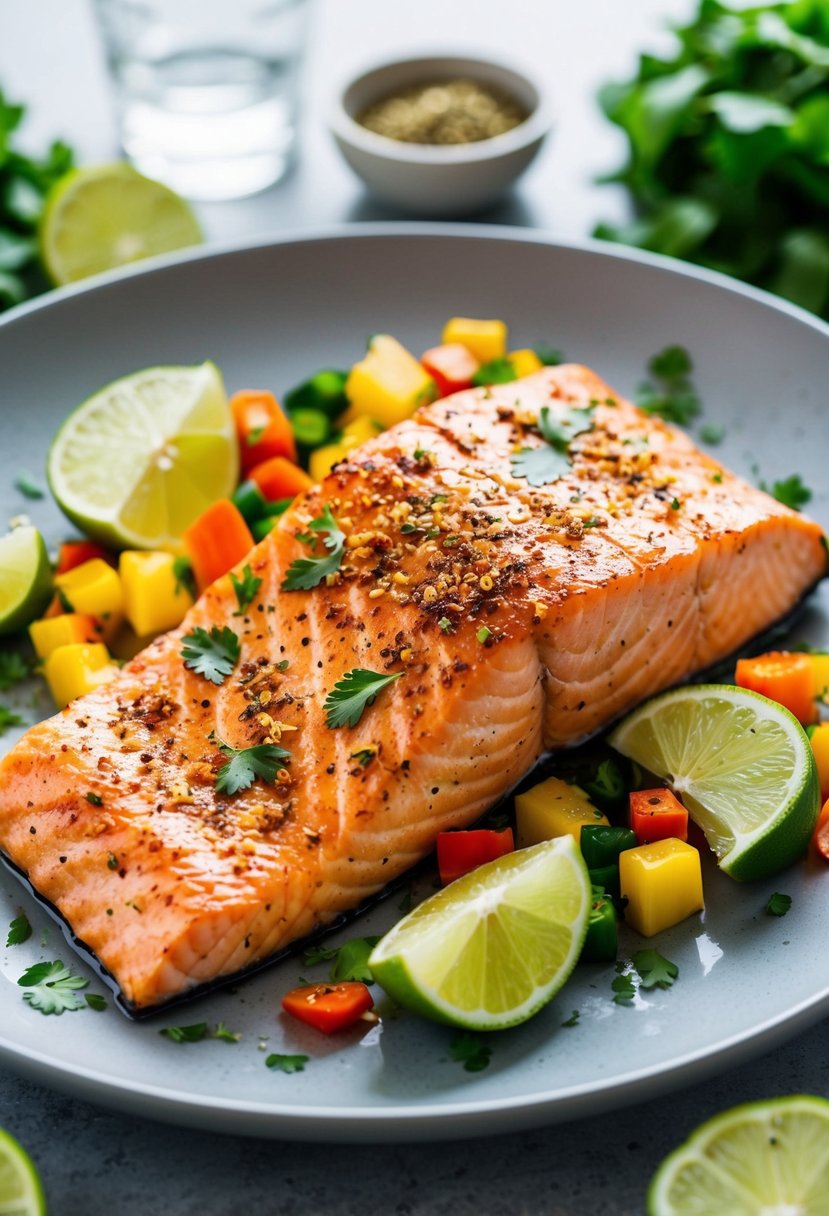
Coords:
pixel 207 90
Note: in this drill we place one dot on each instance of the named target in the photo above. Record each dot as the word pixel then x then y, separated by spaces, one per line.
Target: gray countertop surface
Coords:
pixel 94 1161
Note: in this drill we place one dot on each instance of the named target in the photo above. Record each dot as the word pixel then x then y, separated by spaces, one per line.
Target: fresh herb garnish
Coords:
pixel 52 988
pixel 497 371
pixel 624 989
pixel 790 491
pixel 318 954
pixel 446 624
pixel 670 394
pixel 778 904
pixel 246 588
pixel 712 433
pixel 212 655
pixel 95 1001
pixel 549 355
pixel 364 756
pixel 351 962
pixel 19 930
pixel 94 798
pixel 13 669
pixel 356 690
pixel 184 576
pixel 8 718
pixel 483 634
pixel 28 487
pixel 654 969
pixel 227 1036
pixel 255 434
pixel 245 764
pixel 573 1019
pixel 112 861
pixel 186 1034
pixel 545 464
pixel 307 572
pixel 470 1050
pixel 283 1063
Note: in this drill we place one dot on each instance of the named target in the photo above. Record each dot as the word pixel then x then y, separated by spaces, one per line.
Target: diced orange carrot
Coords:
pixel 783 676
pixel 262 427
pixel 280 478
pixel 657 814
pixel 216 541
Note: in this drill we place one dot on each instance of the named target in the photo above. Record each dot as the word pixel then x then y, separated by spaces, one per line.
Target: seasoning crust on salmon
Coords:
pixel 519 618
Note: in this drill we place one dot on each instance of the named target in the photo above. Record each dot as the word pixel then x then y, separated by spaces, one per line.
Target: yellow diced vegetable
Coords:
pixel 819 739
pixel 154 599
pixel 322 460
pixel 487 340
pixel 73 670
pixel 358 431
pixel 820 675
pixel 389 383
pixel 53 631
pixel 94 588
pixel 524 362
pixel 662 883
pixel 553 808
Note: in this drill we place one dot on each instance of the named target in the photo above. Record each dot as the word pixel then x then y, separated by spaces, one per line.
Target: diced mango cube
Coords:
pixel 322 460
pixel 487 340
pixel 553 808
pixel 50 632
pixel 820 675
pixel 73 670
pixel 819 738
pixel 94 588
pixel 388 383
pixel 154 599
pixel 358 431
pixel 524 362
pixel 662 883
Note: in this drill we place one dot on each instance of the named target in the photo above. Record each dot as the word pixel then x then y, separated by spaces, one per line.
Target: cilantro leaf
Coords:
pixel 246 588
pixel 318 954
pixel 712 433
pixel 540 466
pixel 654 969
pixel 470 1050
pixel 27 486
pixel 549 355
pixel 624 989
pixel 227 1036
pixel 246 764
pixel 672 363
pixel 212 655
pixel 95 1001
pixel 573 1019
pixel 673 397
pixel 13 669
pixel 8 718
pixel 185 1034
pixel 778 904
pixel 559 429
pixel 497 371
pixel 351 962
pixel 288 1064
pixel 52 988
pixel 543 465
pixel 357 689
pixel 307 572
pixel 790 491
pixel 19 930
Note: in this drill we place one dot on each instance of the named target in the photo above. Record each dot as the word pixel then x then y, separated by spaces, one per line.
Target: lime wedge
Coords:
pixel 135 464
pixel 26 582
pixel 20 1191
pixel 490 949
pixel 762 1159
pixel 106 216
pixel 742 765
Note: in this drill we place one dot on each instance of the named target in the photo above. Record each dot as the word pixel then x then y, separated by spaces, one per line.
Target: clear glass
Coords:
pixel 207 90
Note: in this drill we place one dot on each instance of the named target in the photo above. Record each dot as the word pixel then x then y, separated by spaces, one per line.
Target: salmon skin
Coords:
pixel 517 617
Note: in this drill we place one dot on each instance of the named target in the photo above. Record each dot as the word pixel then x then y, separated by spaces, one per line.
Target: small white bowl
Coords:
pixel 438 179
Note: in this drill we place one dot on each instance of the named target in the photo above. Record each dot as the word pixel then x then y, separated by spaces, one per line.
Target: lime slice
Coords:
pixel 490 949
pixel 762 1159
pixel 106 216
pixel 20 1191
pixel 742 765
pixel 135 464
pixel 26 583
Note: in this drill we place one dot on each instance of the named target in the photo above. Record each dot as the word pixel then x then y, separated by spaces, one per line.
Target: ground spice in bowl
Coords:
pixel 458 111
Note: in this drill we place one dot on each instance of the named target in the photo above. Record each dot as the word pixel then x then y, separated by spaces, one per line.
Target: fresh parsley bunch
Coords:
pixel 24 183
pixel 729 147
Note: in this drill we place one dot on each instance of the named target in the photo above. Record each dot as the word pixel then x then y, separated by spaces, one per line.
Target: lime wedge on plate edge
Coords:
pixel 490 949
pixel 20 1191
pixel 742 765
pixel 137 462
pixel 26 582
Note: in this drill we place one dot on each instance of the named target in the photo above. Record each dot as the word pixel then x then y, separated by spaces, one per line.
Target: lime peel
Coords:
pixel 21 1191
pixel 26 584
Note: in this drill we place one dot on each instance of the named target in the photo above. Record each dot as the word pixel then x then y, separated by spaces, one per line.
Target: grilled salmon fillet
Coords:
pixel 519 618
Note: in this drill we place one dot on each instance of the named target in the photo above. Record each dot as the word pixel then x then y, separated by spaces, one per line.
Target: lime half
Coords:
pixel 135 465
pixel 742 765
pixel 20 1191
pixel 762 1159
pixel 106 216
pixel 25 581
pixel 490 949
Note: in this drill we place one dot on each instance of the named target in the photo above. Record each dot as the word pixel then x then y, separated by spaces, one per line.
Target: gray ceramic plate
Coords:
pixel 269 315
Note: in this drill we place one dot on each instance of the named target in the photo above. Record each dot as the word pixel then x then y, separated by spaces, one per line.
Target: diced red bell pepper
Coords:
pixel 262 427
pixel 280 478
pixel 329 1007
pixel 74 553
pixel 657 815
pixel 460 852
pixel 451 366
pixel 820 837
pixel 216 541
pixel 783 676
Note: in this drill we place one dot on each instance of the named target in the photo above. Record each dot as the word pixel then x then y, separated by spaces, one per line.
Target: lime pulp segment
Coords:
pixel 21 1193
pixel 742 765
